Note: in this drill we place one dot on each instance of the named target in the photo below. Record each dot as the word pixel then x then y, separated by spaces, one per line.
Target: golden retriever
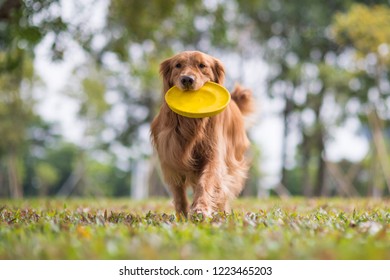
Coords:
pixel 207 154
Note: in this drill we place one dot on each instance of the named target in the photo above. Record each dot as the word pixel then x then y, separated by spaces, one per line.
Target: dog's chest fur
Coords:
pixel 190 142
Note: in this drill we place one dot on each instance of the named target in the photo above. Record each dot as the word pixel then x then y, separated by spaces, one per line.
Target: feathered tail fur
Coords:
pixel 243 98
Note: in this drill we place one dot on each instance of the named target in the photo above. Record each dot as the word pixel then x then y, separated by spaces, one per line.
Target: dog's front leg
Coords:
pixel 180 200
pixel 176 183
pixel 207 192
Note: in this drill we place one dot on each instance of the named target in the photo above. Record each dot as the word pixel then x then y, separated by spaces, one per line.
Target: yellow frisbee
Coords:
pixel 208 101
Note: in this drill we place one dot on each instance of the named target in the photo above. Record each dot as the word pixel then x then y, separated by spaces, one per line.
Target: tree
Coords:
pixel 305 74
pixel 21 30
pixel 365 31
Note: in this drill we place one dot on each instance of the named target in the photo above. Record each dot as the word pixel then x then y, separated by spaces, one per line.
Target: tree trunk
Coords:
pixel 306 154
pixel 377 180
pixel 14 180
pixel 344 182
pixel 320 179
pixel 286 115
pixel 75 179
pixel 319 140
pixel 380 146
pixel 3 189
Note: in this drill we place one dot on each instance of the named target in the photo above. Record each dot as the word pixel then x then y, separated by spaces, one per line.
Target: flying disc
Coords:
pixel 208 101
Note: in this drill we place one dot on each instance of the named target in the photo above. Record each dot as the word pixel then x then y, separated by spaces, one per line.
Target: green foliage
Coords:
pixel 94 91
pixel 366 31
pixel 15 112
pixel 105 179
pixel 256 229
pixel 47 172
pixel 47 165
pixel 23 24
pixel 139 22
pixel 47 176
pixel 165 23
pixel 365 28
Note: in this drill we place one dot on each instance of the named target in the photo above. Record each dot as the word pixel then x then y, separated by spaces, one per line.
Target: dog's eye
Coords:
pixel 178 65
pixel 201 65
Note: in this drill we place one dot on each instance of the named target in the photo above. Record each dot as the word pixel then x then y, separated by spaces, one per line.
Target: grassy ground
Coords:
pixel 257 229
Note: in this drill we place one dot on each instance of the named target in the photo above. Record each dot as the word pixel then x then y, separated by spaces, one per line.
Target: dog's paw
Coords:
pixel 199 213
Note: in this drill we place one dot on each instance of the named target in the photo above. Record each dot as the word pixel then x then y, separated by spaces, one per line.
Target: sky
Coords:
pixel 266 129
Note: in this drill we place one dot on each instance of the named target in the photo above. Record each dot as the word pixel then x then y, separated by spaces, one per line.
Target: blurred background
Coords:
pixel 79 86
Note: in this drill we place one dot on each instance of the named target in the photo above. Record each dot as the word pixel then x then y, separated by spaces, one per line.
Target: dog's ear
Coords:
pixel 219 72
pixel 165 72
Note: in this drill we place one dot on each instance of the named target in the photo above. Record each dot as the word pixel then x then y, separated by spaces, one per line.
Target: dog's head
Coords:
pixel 190 70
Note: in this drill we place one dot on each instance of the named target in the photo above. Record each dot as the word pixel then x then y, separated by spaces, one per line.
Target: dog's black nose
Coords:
pixel 187 81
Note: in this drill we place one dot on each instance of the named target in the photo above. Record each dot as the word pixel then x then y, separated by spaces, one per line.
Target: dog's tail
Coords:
pixel 244 99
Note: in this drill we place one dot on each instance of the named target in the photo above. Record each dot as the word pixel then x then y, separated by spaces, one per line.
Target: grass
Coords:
pixel 295 228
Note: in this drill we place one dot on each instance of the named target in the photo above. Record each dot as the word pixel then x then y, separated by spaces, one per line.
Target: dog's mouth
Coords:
pixel 187 88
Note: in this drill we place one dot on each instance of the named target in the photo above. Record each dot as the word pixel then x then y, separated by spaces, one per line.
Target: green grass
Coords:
pixel 295 228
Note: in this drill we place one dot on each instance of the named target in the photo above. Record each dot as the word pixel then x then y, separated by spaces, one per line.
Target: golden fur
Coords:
pixel 207 154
